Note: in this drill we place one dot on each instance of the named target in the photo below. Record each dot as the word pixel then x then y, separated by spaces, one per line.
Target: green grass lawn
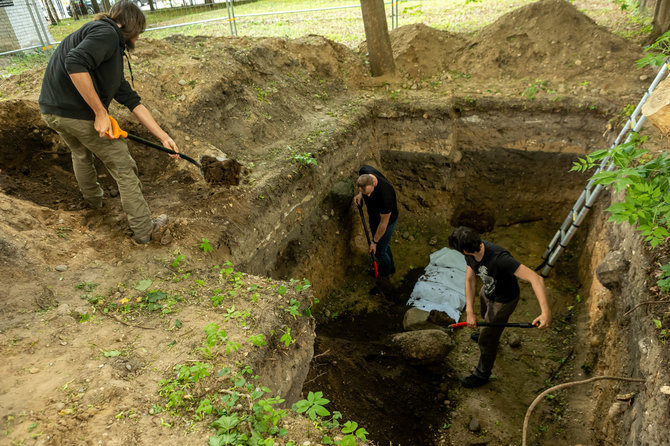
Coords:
pixel 341 25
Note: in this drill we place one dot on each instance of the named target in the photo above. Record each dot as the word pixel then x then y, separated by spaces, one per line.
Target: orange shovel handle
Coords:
pixel 116 130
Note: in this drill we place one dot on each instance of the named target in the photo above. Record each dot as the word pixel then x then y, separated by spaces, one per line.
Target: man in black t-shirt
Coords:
pixel 499 294
pixel 380 199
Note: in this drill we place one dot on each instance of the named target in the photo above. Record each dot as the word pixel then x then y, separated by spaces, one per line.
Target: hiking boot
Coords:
pixel 472 381
pixel 158 223
pixel 475 336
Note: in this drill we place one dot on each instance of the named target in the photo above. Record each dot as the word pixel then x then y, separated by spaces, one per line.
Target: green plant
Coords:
pixel 535 87
pixel 664 279
pixel 205 246
pixel 217 297
pixel 286 337
pixel 177 260
pixel 313 405
pixel 657 52
pixel 644 179
pixel 353 432
pixel 293 308
pixel 257 340
pixel 303 159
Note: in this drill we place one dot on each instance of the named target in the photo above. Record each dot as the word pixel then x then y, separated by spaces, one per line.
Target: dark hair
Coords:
pixel 465 239
pixel 365 180
pixel 129 16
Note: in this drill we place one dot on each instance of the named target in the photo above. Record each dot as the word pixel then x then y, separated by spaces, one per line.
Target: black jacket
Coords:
pixel 96 47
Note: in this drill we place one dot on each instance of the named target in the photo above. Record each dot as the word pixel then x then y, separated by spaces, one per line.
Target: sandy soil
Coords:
pixel 92 323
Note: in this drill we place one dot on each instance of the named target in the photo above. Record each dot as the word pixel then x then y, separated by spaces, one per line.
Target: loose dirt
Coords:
pixel 93 323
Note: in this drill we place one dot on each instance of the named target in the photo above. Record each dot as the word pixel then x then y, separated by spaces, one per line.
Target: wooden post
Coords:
pixel 377 37
pixel 657 107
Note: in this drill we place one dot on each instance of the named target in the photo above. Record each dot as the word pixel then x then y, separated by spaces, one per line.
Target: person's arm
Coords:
pixel 144 116
pixel 470 285
pixel 379 233
pixel 84 85
pixel 537 282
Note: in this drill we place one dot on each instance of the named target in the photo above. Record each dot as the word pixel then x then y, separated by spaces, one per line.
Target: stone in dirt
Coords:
pixel 424 346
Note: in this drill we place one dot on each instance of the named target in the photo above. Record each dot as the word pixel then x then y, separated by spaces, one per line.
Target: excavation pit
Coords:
pixel 506 174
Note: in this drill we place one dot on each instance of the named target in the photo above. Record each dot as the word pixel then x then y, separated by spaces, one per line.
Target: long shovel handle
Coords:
pixel 367 236
pixel 163 149
pixel 118 132
pixel 496 324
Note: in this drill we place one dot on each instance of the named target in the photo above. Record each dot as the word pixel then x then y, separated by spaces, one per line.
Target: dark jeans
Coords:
pixel 383 253
pixel 489 336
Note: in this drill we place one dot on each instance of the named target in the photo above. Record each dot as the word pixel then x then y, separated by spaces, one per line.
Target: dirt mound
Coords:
pixel 548 40
pixel 552 40
pixel 420 50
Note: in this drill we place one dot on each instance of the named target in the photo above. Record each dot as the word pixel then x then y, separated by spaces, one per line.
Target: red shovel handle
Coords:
pixel 374 262
pixel 459 325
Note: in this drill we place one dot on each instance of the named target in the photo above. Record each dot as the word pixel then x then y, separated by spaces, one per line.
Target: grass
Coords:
pixel 341 25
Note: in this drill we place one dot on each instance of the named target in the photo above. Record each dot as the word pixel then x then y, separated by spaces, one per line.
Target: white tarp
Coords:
pixel 442 286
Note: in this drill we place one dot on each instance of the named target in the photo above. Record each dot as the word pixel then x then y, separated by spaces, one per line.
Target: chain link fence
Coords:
pixel 23 23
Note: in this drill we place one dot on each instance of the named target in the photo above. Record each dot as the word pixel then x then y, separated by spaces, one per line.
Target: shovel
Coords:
pixel 117 132
pixel 496 324
pixel 367 235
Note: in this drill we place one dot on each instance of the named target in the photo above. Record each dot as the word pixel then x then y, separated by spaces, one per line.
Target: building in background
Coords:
pixel 23 25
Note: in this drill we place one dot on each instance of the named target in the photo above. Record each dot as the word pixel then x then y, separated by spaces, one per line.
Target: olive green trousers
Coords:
pixel 85 144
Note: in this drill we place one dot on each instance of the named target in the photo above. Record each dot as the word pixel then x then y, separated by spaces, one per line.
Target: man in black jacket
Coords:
pixel 380 199
pixel 83 76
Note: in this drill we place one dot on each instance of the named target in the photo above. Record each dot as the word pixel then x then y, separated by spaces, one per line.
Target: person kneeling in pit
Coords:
pixel 498 296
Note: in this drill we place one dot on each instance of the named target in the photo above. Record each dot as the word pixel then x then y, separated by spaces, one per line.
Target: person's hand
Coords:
pixel 543 320
pixel 472 320
pixel 168 143
pixel 358 199
pixel 373 248
pixel 102 125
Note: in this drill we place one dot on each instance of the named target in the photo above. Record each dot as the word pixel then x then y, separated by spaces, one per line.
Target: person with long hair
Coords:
pixel 82 77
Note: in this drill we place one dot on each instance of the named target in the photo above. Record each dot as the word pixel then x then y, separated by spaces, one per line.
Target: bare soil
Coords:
pixel 481 127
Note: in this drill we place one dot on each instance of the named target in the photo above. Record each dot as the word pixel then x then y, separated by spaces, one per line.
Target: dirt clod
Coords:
pixel 225 172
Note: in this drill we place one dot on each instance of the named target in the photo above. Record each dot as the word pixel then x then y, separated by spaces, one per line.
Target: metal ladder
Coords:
pixel 590 193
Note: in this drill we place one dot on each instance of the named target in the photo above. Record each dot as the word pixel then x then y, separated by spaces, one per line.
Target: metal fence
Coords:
pixel 46 43
pixel 23 26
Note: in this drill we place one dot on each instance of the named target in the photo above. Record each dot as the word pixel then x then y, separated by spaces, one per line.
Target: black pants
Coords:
pixel 489 337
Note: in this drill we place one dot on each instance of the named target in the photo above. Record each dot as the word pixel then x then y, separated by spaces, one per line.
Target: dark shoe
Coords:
pixel 374 291
pixel 158 223
pixel 472 381
pixel 475 336
pixel 440 318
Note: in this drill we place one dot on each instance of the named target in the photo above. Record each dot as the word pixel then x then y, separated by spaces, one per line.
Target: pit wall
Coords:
pixel 448 161
pixel 623 345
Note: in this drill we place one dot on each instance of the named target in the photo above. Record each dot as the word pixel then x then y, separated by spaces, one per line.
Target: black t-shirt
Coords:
pixel 382 200
pixel 496 270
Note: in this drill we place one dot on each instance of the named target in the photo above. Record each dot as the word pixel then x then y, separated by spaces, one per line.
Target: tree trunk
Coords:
pixel 105 5
pixel 661 22
pixel 51 11
pixel 74 9
pixel 151 5
pixel 377 37
pixel 95 5
pixel 646 6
